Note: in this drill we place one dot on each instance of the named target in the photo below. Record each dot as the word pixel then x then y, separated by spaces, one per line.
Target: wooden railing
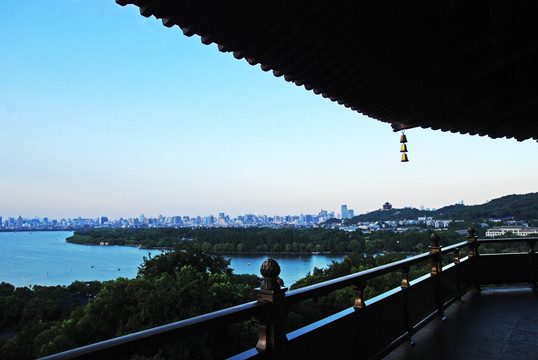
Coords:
pixel 371 327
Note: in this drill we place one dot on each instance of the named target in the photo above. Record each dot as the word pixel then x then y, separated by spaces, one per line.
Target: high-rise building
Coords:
pixel 344 211
pixel 350 213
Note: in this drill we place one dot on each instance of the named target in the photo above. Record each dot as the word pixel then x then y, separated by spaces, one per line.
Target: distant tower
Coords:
pixel 387 206
pixel 344 212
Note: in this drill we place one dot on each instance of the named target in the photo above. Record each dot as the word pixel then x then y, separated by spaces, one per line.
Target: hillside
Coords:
pixel 521 207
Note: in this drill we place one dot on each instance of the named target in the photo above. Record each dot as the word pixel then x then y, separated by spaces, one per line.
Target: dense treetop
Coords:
pixel 169 287
pixel 249 240
pixel 267 240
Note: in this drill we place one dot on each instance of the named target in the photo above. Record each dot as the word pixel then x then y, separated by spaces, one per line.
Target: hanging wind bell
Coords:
pixel 403 148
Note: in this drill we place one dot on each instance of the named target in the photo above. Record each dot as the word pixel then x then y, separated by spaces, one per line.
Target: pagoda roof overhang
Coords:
pixel 460 66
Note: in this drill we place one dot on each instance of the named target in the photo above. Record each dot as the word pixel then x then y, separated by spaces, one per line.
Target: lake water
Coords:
pixel 44 258
pixel 292 267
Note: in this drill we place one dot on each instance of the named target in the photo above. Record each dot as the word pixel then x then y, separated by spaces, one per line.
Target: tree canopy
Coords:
pixel 169 287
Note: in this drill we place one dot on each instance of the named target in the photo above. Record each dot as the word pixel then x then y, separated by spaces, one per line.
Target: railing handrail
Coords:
pixel 450 248
pixel 191 325
pixel 328 286
pixel 162 333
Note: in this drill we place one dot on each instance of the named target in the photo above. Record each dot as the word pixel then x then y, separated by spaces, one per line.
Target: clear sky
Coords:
pixel 105 112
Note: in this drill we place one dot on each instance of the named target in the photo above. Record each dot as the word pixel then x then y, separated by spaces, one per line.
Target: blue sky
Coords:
pixel 105 112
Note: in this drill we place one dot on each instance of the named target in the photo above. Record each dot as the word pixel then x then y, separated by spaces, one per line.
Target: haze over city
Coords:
pixel 103 112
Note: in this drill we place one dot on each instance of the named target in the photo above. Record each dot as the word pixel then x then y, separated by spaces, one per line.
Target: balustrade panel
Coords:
pixel 506 268
pixel 421 298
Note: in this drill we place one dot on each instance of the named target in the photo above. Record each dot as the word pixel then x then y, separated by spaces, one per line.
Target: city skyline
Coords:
pixel 345 213
pixel 105 112
pixel 223 219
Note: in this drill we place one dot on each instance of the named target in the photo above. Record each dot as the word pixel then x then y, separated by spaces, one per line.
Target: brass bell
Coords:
pixel 403 148
pixel 404 157
pixel 403 139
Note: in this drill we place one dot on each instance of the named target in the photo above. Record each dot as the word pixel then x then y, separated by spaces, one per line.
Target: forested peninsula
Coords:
pixel 265 240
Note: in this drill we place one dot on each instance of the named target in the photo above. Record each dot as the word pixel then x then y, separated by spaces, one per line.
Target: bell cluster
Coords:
pixel 403 148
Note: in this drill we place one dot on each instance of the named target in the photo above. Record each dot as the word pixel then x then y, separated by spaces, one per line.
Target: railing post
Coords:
pixel 407 318
pixel 473 244
pixel 435 251
pixel 271 326
pixel 436 268
pixel 359 295
pixel 361 321
pixel 473 256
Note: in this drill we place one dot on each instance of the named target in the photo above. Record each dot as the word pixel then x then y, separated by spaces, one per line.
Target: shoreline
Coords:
pixel 223 252
pixel 326 253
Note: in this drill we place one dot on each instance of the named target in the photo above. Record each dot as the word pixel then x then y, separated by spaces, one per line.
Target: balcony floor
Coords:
pixel 497 323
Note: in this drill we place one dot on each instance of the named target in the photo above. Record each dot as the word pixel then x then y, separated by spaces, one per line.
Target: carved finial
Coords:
pixel 270 271
pixel 470 236
pixel 434 240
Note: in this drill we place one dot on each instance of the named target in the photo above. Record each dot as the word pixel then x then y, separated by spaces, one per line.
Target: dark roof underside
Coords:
pixel 461 66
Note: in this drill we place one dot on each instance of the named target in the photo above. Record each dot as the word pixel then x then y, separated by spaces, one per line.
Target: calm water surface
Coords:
pixel 44 258
pixel 292 267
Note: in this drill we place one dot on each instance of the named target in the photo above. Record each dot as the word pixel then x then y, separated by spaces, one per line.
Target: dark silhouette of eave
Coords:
pixel 467 67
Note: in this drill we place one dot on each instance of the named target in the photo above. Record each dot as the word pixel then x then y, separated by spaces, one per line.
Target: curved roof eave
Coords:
pixel 459 66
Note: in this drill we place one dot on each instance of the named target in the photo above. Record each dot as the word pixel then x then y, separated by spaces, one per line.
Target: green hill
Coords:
pixel 393 214
pixel 521 207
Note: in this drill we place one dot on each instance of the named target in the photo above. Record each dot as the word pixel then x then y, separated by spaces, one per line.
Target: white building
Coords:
pixel 515 230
